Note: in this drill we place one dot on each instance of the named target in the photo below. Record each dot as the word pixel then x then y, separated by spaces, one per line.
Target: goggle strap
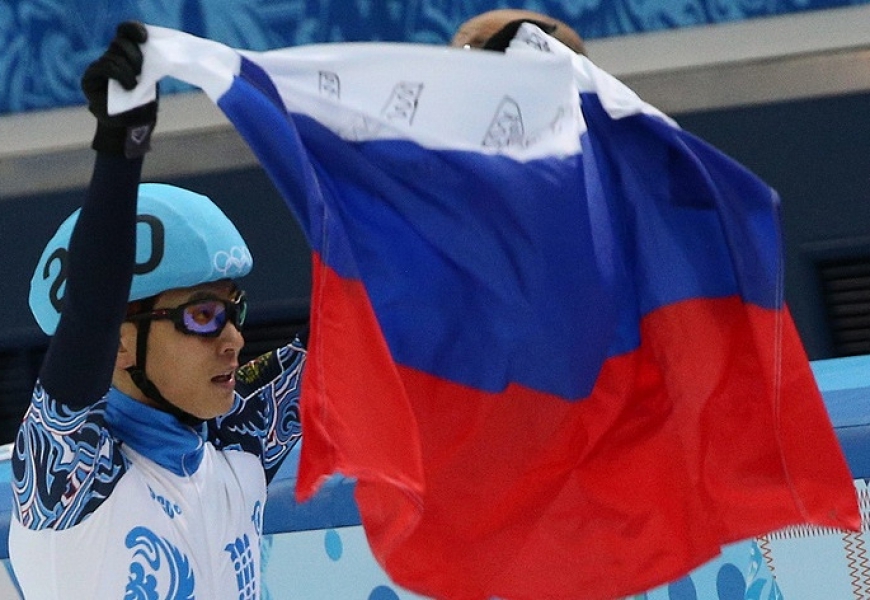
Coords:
pixel 140 379
pixel 146 386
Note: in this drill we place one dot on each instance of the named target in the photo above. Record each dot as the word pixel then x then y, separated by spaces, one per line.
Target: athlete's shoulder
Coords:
pixel 266 368
pixel 66 463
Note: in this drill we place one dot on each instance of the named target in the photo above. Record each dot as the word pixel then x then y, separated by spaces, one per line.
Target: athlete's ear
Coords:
pixel 126 347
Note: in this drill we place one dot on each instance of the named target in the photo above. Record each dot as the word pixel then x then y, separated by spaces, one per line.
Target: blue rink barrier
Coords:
pixel 318 549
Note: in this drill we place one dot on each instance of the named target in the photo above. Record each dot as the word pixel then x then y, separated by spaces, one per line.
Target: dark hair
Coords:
pixel 501 39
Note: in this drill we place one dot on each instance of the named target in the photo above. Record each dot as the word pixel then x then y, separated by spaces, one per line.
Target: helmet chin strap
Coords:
pixel 147 387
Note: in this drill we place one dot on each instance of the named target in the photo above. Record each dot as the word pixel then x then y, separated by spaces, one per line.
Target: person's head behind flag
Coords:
pixel 493 30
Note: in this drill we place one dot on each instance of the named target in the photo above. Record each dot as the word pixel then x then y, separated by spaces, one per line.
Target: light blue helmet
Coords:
pixel 182 239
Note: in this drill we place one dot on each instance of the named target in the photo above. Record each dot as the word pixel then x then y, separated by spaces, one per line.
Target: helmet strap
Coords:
pixel 147 387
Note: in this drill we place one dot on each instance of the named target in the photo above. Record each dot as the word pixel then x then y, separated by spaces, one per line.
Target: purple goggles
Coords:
pixel 204 317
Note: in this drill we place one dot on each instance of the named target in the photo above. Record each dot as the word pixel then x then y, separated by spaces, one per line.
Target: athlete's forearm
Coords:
pixel 99 268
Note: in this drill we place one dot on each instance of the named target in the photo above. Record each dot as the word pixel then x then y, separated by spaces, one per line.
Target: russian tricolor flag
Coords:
pixel 548 330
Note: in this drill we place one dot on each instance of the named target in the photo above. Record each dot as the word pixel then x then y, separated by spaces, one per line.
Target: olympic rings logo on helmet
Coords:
pixel 230 264
pixel 182 239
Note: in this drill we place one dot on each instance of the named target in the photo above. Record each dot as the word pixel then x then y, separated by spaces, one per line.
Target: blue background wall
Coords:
pixel 47 43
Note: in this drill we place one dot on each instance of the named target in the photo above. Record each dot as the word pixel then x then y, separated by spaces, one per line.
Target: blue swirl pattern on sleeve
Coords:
pixel 264 420
pixel 65 463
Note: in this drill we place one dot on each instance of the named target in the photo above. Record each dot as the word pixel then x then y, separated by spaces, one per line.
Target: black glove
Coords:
pixel 128 133
pixel 501 39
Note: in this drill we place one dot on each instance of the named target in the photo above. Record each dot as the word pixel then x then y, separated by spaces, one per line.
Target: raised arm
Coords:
pixel 99 264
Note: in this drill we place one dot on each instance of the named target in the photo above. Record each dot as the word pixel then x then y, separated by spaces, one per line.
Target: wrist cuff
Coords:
pixel 131 142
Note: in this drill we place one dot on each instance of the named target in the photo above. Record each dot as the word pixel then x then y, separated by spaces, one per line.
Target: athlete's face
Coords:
pixel 195 373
